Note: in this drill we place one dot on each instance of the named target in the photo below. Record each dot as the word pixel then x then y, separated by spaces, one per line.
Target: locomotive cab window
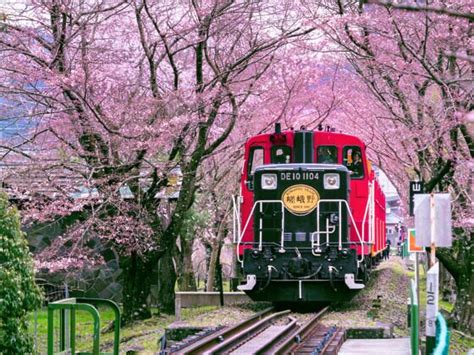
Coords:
pixel 352 159
pixel 327 154
pixel 256 159
pixel 281 154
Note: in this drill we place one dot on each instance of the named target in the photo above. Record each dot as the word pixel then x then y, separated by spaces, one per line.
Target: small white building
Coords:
pixel 393 218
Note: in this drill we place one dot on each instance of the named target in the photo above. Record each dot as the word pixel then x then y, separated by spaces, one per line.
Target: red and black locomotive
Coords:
pixel 310 220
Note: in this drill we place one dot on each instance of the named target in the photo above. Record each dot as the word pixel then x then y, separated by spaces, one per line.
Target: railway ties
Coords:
pixel 262 343
pixel 227 338
pixel 312 338
pixel 277 333
pixel 323 340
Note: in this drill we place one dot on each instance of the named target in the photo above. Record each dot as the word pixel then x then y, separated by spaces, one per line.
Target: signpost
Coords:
pixel 433 228
pixel 433 220
pixel 413 248
pixel 432 288
pixel 416 187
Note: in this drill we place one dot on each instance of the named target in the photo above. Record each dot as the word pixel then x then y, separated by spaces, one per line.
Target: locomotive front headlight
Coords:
pixel 331 181
pixel 269 181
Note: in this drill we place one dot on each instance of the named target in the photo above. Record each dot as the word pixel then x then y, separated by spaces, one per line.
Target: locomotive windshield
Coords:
pixel 281 154
pixel 256 159
pixel 327 154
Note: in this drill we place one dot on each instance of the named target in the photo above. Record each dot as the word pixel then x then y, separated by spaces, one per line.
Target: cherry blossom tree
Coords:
pixel 409 73
pixel 112 97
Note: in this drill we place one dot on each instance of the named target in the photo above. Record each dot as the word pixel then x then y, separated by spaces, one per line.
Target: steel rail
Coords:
pixel 328 344
pixel 208 342
pixel 268 345
pixel 246 333
pixel 296 338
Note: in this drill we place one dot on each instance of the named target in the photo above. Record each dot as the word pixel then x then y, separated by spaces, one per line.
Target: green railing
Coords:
pixel 442 336
pixel 414 319
pixel 80 304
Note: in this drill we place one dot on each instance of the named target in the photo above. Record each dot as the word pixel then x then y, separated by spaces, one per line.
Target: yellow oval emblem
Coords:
pixel 300 199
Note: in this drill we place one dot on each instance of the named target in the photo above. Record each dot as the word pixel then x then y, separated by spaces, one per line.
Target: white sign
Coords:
pixel 433 220
pixel 432 284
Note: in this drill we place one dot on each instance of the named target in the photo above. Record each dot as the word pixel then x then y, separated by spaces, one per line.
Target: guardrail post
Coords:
pixel 62 330
pixel 409 312
pixel 50 331
pixel 73 331
pixel 414 319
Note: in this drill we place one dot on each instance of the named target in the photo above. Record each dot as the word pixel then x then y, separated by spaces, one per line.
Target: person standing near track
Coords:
pixel 386 252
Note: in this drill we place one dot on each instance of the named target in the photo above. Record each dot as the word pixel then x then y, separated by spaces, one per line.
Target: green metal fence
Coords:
pixel 414 319
pixel 71 305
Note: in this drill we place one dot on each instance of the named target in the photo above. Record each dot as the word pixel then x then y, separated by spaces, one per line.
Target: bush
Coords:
pixel 19 294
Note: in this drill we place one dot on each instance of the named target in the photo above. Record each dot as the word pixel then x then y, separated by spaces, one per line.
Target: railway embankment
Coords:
pixel 381 304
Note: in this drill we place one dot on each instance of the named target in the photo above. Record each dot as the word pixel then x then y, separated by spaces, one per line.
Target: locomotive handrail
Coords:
pixel 236 218
pixel 367 213
pixel 318 232
pixel 339 201
pixel 260 243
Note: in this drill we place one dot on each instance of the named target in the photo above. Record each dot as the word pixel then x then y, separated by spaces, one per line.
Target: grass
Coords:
pixel 459 344
pixel 84 328
pixel 150 329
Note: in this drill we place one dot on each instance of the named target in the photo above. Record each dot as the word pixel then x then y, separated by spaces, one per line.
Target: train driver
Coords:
pixel 356 164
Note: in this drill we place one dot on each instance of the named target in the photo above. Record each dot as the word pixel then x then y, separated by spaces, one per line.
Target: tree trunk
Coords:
pixel 136 287
pixel 459 261
pixel 216 252
pixel 186 279
pixel 208 248
pixel 219 286
pixel 211 274
pixel 167 276
pixel 463 309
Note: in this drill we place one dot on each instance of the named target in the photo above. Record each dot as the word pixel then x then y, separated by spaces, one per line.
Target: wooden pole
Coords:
pixel 432 225
pixel 417 284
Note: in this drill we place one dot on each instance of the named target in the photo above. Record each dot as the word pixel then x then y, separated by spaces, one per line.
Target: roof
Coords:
pixel 392 218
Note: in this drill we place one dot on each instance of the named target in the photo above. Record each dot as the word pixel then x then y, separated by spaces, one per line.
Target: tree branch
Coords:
pixel 417 8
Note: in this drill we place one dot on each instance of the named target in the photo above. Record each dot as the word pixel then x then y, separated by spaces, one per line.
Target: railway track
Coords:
pixel 206 344
pixel 311 338
pixel 270 333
